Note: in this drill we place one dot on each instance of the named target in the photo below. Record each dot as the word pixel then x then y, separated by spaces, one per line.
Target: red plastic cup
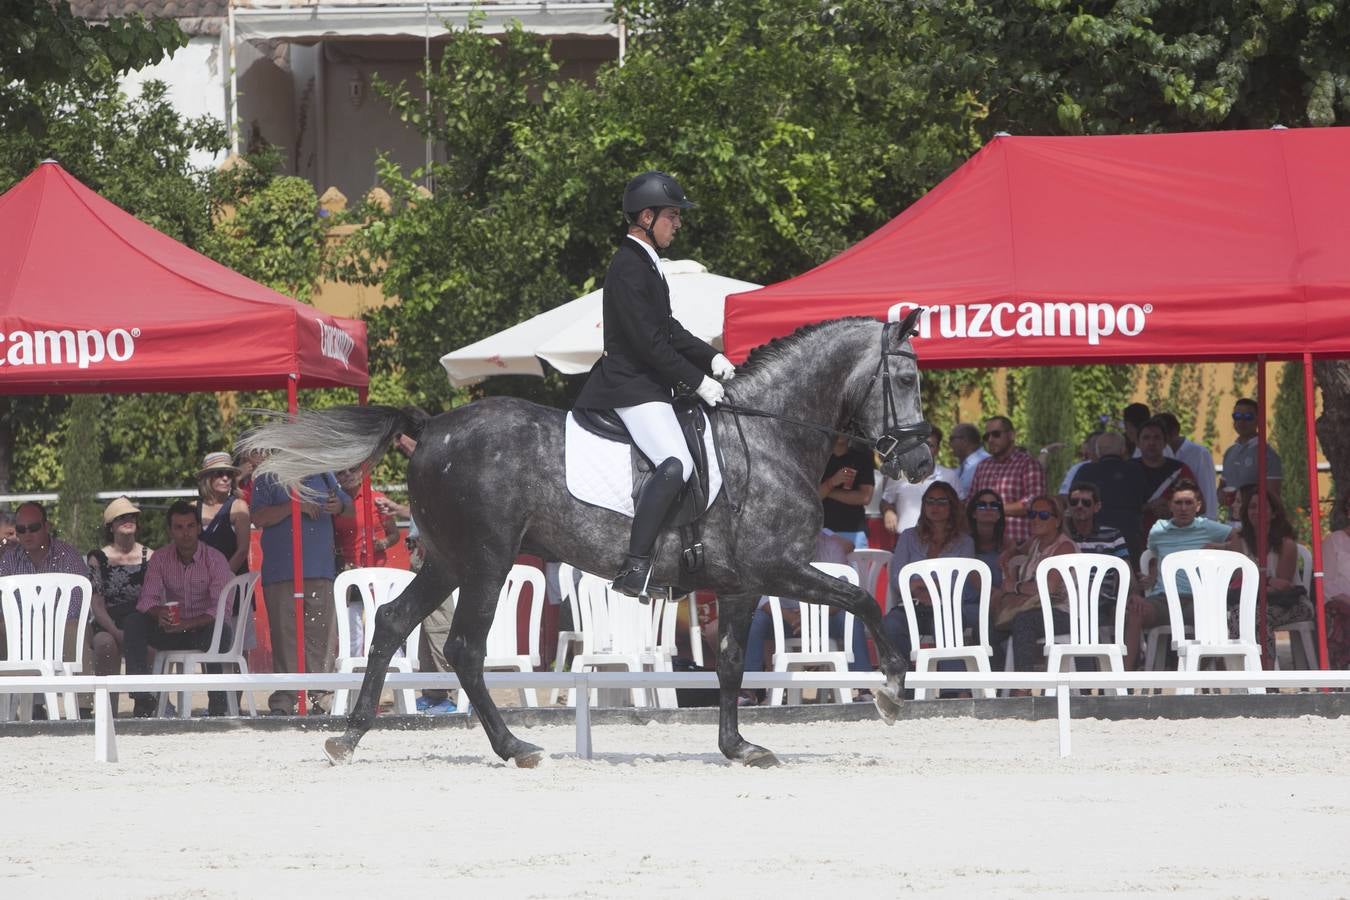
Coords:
pixel 175 615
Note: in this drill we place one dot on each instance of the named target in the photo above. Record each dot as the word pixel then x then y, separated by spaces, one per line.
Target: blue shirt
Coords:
pixel 910 548
pixel 1165 538
pixel 316 535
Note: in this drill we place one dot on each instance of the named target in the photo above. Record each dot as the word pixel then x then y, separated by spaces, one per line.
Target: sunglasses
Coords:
pixel 993 434
pixel 1081 501
pixel 937 501
pixel 1041 514
pixel 125 517
pixel 1243 416
pixel 29 529
pixel 988 504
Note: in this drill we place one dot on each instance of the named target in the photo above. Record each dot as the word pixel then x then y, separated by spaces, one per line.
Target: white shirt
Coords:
pixel 965 471
pixel 1201 462
pixel 908 498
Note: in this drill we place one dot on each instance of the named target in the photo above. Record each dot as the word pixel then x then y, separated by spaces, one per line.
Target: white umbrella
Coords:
pixel 570 337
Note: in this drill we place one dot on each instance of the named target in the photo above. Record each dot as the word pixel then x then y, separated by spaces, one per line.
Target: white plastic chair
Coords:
pixel 1083 576
pixel 503 648
pixel 1300 633
pixel 817 650
pixel 945 579
pixel 240 587
pixel 1209 573
pixel 569 642
pixel 869 565
pixel 377 585
pixel 35 610
pixel 617 632
pixel 1158 638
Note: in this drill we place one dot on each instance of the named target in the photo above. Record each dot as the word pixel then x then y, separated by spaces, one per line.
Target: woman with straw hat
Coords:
pixel 224 515
pixel 116 572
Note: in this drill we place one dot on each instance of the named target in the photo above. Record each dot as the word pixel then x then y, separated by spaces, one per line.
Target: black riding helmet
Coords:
pixel 653 190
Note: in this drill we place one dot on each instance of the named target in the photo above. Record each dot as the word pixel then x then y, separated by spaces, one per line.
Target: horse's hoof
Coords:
pixel 759 758
pixel 888 705
pixel 528 758
pixel 338 751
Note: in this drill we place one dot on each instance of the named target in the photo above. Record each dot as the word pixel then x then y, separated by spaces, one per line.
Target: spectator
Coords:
pixel 1185 530
pixel 984 516
pixel 224 514
pixel 845 490
pixel 6 530
pixel 1286 599
pixel 901 501
pixel 177 606
pixel 965 444
pixel 941 533
pixel 272 513
pixel 35 551
pixel 1091 536
pixel 1087 453
pixel 1011 473
pixel 1122 488
pixel 246 463
pixel 1336 563
pixel 1160 473
pixel 350 530
pixel 116 572
pixel 1239 460
pixel 1133 416
pixel 1197 458
pixel 1015 608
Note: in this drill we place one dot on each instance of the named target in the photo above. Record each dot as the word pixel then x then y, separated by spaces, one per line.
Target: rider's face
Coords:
pixel 664 227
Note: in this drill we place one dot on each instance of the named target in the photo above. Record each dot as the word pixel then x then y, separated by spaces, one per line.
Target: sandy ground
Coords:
pixel 932 807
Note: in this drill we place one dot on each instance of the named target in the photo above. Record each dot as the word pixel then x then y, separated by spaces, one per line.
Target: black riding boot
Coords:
pixel 649 513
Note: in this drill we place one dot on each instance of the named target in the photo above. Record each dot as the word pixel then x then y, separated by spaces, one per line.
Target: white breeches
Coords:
pixel 657 433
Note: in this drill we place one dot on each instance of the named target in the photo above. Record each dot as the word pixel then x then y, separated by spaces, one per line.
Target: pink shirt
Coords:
pixel 196 586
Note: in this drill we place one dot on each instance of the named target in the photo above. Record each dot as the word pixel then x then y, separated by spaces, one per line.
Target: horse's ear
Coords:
pixel 907 324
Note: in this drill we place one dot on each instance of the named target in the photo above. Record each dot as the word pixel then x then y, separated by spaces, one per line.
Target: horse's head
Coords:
pixel 891 406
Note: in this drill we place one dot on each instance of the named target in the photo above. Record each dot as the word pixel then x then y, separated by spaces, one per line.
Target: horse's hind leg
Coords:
pixel 733 628
pixel 465 650
pixel 393 623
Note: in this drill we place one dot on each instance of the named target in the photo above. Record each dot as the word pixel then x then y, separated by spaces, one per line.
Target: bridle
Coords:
pixel 895 438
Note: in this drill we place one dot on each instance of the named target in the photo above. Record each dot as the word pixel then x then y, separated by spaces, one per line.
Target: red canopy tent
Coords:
pixel 1075 250
pixel 94 300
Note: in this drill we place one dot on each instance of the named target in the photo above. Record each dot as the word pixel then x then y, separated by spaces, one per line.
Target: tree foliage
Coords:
pixel 43 45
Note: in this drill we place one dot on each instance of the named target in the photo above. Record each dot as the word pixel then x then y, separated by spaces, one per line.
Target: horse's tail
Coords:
pixel 329 440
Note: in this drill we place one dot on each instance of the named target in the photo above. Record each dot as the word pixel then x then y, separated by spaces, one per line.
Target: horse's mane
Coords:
pixel 765 356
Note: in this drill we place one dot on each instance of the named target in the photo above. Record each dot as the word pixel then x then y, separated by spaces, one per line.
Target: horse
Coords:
pixel 487 481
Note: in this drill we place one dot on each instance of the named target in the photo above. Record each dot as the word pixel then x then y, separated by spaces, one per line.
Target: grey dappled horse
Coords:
pixel 487 481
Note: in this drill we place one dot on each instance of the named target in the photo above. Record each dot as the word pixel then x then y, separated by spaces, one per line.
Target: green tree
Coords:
pixel 81 474
pixel 1050 420
pixel 1289 438
pixel 43 44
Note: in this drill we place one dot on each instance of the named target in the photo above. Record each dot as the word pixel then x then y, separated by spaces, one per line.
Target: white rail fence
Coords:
pixel 1061 683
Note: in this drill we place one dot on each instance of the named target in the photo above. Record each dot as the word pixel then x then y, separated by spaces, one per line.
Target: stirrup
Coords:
pixel 633 579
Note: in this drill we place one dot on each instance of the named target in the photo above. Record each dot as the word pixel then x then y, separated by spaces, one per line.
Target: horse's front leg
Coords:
pixel 733 628
pixel 393 623
pixel 811 584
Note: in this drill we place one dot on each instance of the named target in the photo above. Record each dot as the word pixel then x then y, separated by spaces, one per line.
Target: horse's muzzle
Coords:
pixel 915 464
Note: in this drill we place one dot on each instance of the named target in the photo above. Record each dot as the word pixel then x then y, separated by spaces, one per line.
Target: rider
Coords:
pixel 649 355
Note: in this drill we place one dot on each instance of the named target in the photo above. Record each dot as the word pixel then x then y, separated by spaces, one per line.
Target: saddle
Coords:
pixel 692 501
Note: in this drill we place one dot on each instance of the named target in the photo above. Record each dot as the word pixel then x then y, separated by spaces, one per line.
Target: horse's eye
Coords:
pixel 907 380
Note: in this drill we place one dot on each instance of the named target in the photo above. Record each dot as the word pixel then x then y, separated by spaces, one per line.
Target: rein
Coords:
pixel 887 444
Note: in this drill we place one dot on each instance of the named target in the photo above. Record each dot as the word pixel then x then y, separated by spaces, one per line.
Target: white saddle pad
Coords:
pixel 600 471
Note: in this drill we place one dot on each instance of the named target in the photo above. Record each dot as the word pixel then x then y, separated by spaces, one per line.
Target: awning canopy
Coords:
pixel 301 21
pixel 92 299
pixel 571 337
pixel 1164 247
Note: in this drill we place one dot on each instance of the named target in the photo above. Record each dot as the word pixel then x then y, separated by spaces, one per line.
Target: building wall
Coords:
pixel 198 81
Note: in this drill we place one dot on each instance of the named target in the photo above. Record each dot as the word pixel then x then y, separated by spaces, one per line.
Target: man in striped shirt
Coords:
pixel 177 607
pixel 1011 473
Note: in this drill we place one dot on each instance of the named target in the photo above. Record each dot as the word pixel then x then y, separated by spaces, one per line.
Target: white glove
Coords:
pixel 722 368
pixel 710 392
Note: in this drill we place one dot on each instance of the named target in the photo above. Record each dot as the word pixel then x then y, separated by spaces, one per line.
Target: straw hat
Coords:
pixel 215 462
pixel 119 507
